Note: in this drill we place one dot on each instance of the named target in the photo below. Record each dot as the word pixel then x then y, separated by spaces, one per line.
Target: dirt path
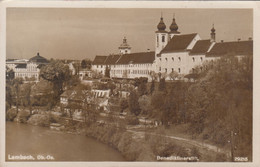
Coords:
pixel 188 141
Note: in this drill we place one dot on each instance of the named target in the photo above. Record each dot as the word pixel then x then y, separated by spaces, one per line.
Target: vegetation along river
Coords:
pixel 42 144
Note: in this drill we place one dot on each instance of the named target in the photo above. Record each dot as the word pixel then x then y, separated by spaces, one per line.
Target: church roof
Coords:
pixel 39 59
pixel 99 60
pixel 112 59
pixel 236 48
pixel 137 58
pixel 178 43
pixel 201 47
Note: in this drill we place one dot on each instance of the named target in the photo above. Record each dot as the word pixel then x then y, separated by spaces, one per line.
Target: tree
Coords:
pixel 83 64
pixel 57 73
pixel 133 103
pixel 220 104
pixel 142 86
pixel 123 105
pixel 145 104
pixel 107 72
pixel 16 90
pixel 152 88
pixel 26 96
pixel 162 85
pixel 9 74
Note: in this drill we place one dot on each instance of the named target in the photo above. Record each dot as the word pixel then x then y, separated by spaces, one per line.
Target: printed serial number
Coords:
pixel 241 159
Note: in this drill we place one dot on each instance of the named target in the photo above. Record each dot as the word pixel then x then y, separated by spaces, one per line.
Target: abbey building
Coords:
pixel 174 53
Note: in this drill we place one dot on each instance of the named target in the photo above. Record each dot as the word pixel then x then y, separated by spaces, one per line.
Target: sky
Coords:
pixel 80 33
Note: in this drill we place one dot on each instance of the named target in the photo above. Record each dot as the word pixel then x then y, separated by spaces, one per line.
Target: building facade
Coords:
pixel 27 69
pixel 175 53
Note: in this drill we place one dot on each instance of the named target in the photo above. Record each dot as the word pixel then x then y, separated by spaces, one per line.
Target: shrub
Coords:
pixel 11 114
pixel 39 119
pixel 22 116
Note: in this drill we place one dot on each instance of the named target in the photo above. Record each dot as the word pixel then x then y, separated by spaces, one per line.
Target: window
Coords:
pixel 179 58
pixel 97 66
pixel 179 70
pixel 125 51
pixel 201 59
pixel 166 70
pixel 159 68
pixel 166 59
pixel 193 59
pixel 172 69
pixel 160 59
pixel 101 66
pixel 163 38
pixel 172 58
pixel 157 38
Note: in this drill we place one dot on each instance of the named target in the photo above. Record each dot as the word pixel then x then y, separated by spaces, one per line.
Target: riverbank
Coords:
pixel 132 145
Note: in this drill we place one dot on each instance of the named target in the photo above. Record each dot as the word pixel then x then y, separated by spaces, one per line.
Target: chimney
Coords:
pixel 250 39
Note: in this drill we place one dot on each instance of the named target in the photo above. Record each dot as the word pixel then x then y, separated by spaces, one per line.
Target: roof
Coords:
pixel 99 60
pixel 137 58
pixel 237 48
pixel 112 59
pixel 39 59
pixel 178 43
pixel 201 47
pixel 21 66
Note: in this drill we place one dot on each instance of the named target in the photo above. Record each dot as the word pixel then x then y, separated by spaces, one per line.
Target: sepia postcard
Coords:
pixel 126 83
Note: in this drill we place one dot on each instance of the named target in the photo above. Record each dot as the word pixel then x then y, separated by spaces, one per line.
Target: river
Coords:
pixel 46 144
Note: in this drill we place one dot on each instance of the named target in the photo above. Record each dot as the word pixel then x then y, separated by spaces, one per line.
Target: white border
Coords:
pixel 133 4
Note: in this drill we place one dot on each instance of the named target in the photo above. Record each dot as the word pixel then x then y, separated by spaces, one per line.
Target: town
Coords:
pixel 190 94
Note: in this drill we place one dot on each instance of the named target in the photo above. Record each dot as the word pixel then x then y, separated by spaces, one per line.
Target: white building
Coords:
pixel 125 64
pixel 174 53
pixel 27 68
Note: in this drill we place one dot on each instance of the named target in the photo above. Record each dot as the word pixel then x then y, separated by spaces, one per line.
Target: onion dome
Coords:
pixel 161 26
pixel 174 26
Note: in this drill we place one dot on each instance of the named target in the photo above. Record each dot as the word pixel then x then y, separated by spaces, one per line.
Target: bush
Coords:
pixel 22 116
pixel 39 119
pixel 11 114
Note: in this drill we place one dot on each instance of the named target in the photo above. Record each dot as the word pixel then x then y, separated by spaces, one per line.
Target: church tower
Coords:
pixel 161 37
pixel 124 48
pixel 213 34
pixel 174 29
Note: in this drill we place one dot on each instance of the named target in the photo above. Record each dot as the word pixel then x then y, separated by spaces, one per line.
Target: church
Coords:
pixel 174 53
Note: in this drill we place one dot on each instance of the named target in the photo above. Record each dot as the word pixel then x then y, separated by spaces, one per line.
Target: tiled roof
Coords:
pixel 178 43
pixel 236 48
pixel 137 58
pixel 21 66
pixel 99 60
pixel 112 59
pixel 201 47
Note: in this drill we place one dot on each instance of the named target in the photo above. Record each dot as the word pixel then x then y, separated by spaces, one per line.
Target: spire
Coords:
pixel 213 34
pixel 213 29
pixel 161 26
